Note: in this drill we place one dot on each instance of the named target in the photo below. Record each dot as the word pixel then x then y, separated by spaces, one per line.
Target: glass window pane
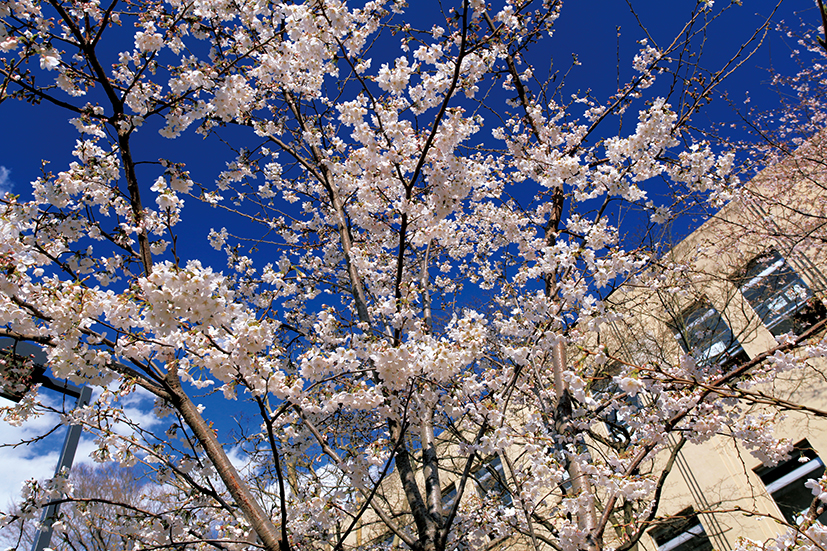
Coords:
pixel 703 333
pixel 778 295
pixel 785 482
pixel 616 415
pixel 682 532
pixel 491 478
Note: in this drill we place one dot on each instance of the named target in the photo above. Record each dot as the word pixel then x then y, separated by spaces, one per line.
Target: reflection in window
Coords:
pixel 389 541
pixel 449 495
pixel 616 416
pixel 682 532
pixel 785 482
pixel 491 480
pixel 778 295
pixel 703 333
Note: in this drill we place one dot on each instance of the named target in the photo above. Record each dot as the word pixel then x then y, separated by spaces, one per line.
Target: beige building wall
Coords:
pixel 783 209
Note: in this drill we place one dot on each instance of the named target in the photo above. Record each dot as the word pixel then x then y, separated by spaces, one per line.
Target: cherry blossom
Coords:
pixel 418 254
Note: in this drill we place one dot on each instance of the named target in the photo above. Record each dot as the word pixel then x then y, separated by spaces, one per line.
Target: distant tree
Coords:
pixel 104 502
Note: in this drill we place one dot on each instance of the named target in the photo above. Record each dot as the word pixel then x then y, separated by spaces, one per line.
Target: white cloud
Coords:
pixel 32 459
pixel 6 184
pixel 138 407
pixel 38 459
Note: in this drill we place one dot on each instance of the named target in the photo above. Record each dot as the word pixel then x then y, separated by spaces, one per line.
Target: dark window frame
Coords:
pixel 604 387
pixel 491 479
pixel 681 532
pixel 779 296
pixel 785 482
pixel 703 332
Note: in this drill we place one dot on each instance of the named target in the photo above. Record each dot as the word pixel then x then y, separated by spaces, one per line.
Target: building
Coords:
pixel 749 278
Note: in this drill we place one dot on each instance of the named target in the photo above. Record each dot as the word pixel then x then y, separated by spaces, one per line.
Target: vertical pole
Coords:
pixel 67 456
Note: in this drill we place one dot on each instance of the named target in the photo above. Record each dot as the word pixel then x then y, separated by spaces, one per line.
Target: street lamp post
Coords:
pixel 26 374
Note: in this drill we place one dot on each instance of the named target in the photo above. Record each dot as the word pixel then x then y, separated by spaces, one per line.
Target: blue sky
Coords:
pixel 29 134
pixel 588 29
pixel 32 134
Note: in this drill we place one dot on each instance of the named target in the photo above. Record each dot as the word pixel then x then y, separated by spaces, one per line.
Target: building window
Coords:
pixel 682 532
pixel 389 541
pixel 449 495
pixel 491 480
pixel 785 482
pixel 702 332
pixel 615 416
pixel 778 295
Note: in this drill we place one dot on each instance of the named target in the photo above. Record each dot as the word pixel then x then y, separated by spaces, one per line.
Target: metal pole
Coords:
pixel 67 456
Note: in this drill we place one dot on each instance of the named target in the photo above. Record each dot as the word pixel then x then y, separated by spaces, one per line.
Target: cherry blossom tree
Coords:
pixel 413 231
